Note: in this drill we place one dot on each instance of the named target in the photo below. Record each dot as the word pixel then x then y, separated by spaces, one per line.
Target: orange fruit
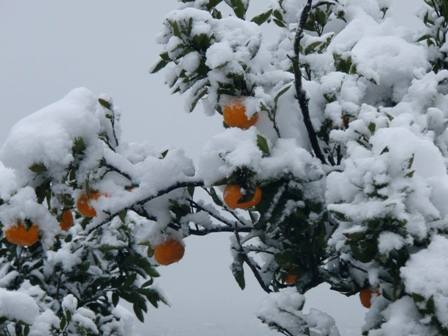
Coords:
pixel 233 196
pixel 235 115
pixel 290 279
pixel 365 295
pixel 84 206
pixel 169 252
pixel 66 220
pixel 22 236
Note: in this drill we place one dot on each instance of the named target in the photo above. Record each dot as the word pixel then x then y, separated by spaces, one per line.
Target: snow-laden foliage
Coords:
pixel 362 87
pixel 332 169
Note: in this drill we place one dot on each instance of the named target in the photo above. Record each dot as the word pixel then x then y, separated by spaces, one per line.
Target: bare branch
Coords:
pixel 300 92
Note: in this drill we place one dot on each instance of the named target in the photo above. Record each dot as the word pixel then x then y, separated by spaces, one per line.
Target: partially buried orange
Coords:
pixel 235 115
pixel 84 206
pixel 66 220
pixel 290 279
pixel 21 235
pixel 234 197
pixel 366 294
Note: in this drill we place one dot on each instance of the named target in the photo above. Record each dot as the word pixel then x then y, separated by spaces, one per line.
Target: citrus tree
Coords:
pixel 331 168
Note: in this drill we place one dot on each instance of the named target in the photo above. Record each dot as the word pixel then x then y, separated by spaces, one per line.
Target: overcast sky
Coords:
pixel 48 47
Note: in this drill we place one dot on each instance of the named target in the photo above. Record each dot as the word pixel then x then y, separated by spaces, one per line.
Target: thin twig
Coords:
pixel 206 231
pixel 116 170
pixel 217 216
pixel 251 265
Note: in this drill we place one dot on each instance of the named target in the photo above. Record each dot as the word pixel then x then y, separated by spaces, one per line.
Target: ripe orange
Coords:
pixel 290 279
pixel 84 206
pixel 66 220
pixel 233 195
pixel 22 236
pixel 169 252
pixel 234 115
pixel 365 295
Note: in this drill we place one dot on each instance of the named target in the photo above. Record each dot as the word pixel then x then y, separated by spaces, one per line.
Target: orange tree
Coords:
pixel 331 169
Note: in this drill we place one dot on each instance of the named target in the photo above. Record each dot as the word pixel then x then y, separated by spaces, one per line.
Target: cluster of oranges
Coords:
pixel 234 114
pixel 28 234
pixel 172 250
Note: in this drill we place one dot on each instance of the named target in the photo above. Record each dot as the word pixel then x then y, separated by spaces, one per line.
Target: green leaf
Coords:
pixel 122 215
pixel 115 298
pixel 215 197
pixel 38 168
pixel 201 41
pixel 281 93
pixel 190 190
pixel 158 66
pixel 148 283
pixel 62 323
pixel 213 3
pixel 150 251
pixel 164 153
pixel 311 47
pixel 321 18
pixel 138 312
pixel 175 28
pixel 344 64
pixel 79 146
pixel 262 144
pixel 238 8
pixel 104 103
pixel 372 127
pixel 278 19
pixel 152 295
pixel 262 18
pixel 411 161
pixel 238 272
pixel 197 96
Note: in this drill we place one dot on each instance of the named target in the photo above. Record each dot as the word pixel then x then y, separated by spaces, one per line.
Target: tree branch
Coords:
pixel 300 92
pixel 161 192
pixel 251 265
pixel 204 232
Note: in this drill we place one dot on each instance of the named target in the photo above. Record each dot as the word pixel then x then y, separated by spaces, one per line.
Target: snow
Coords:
pixel 44 323
pixel 402 319
pixel 8 182
pixel 69 303
pixel 72 117
pixel 425 272
pixel 284 310
pixel 16 305
pixel 388 241
pixel 227 151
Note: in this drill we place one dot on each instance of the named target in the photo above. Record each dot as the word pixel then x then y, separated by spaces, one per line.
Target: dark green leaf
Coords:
pixel 238 272
pixel 238 8
pixel 79 146
pixel 38 168
pixel 262 18
pixel 115 298
pixel 104 103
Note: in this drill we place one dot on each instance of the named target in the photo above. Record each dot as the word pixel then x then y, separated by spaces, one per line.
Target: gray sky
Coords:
pixel 51 46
